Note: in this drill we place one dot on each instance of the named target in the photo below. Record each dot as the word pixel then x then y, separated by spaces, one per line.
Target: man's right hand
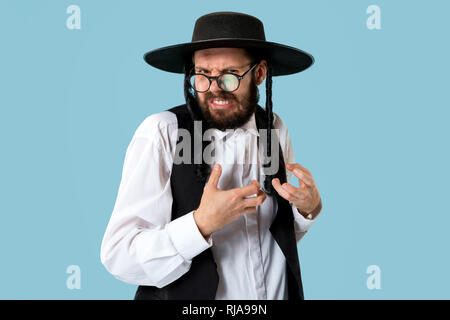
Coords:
pixel 221 207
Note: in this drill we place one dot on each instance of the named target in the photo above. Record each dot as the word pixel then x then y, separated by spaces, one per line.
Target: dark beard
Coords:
pixel 236 119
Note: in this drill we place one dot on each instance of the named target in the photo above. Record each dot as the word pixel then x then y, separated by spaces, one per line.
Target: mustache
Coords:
pixel 226 96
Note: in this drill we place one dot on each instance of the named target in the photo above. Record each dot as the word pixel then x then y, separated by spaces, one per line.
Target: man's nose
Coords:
pixel 215 87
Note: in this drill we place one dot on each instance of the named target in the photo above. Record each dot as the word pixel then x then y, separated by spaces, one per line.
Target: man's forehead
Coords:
pixel 227 66
pixel 220 58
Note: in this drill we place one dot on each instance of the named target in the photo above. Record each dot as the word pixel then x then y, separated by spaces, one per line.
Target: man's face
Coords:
pixel 240 104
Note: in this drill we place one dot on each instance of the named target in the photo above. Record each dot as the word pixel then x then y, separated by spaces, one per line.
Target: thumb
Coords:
pixel 215 175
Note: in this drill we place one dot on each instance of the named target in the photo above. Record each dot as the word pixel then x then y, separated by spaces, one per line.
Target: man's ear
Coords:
pixel 261 72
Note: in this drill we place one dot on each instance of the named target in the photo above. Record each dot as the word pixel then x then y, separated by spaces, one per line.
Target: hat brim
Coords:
pixel 284 59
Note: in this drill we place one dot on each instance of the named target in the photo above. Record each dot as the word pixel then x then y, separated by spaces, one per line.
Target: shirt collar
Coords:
pixel 249 126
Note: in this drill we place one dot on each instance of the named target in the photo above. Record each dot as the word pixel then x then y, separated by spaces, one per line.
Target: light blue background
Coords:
pixel 369 119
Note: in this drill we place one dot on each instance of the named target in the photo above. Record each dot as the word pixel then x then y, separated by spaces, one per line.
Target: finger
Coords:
pixel 302 184
pixel 297 193
pixel 290 188
pixel 249 190
pixel 281 191
pixel 297 165
pixel 255 201
pixel 215 175
pixel 248 210
pixel 303 176
pixel 256 183
pixel 292 166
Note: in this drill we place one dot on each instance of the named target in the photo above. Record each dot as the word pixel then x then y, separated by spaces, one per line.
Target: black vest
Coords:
pixel 201 281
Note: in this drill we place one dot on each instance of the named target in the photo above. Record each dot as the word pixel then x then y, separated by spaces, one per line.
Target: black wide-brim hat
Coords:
pixel 231 30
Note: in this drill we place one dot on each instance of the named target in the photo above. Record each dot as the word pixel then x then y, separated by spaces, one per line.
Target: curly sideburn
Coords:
pixel 202 170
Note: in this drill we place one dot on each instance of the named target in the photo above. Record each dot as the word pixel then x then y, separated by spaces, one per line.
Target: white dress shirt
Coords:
pixel 142 246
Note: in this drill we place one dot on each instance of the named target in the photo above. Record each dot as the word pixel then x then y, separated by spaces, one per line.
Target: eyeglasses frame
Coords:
pixel 210 78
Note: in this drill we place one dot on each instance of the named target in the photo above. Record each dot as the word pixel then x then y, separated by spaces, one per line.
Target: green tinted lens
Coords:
pixel 229 82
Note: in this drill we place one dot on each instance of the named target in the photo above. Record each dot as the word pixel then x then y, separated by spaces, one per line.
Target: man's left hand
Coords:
pixel 306 198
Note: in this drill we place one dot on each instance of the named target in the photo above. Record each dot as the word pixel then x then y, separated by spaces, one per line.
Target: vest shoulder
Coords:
pixel 184 118
pixel 179 110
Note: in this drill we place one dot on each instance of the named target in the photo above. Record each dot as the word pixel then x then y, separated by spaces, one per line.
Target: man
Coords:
pixel 226 229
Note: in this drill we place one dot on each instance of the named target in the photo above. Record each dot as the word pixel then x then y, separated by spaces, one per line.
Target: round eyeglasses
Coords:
pixel 226 81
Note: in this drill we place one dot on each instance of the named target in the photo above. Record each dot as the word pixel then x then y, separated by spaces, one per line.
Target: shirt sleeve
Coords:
pixel 301 224
pixel 141 245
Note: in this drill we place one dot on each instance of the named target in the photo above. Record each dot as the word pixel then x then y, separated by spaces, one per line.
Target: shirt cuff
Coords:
pixel 186 237
pixel 303 223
